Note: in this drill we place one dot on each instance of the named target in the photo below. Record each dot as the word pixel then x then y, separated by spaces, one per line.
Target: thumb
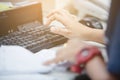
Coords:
pixel 60 31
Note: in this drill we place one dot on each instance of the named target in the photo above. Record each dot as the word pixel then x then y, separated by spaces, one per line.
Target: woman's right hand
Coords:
pixel 73 29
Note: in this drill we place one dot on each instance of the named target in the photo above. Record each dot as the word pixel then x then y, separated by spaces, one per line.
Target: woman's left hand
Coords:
pixel 69 52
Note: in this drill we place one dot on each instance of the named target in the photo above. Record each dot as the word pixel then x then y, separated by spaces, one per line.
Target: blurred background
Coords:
pixel 80 8
pixel 72 5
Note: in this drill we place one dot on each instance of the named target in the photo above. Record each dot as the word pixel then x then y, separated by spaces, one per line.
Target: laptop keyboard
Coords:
pixel 34 37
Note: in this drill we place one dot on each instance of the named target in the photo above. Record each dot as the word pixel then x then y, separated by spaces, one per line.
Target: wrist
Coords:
pixel 86 33
pixel 85 55
pixel 93 61
pixel 96 35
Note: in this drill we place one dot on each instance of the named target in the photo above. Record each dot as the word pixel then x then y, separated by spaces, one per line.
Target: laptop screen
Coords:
pixel 10 19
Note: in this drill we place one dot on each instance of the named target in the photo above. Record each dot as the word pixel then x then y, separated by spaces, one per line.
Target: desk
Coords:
pixel 58 73
pixel 58 76
pixel 63 75
pixel 51 76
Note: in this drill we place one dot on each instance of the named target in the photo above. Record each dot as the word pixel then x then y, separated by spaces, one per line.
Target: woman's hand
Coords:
pixel 69 52
pixel 72 28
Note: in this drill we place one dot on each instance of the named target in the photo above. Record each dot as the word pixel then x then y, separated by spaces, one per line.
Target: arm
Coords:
pixel 97 70
pixel 73 29
pixel 96 35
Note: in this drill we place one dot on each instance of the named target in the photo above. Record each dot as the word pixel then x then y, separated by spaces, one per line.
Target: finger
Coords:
pixel 62 12
pixel 60 31
pixel 55 12
pixel 68 14
pixel 59 58
pixel 51 19
pixel 73 16
pixel 55 61
pixel 50 14
pixel 49 62
pixel 65 12
pixel 56 17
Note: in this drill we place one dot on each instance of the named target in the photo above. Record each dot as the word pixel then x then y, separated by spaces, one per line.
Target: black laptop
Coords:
pixel 23 26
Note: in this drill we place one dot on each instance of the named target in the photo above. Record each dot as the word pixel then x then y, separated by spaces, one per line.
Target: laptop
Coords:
pixel 23 26
pixel 10 19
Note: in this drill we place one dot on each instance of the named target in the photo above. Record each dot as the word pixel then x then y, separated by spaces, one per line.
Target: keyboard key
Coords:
pixel 34 37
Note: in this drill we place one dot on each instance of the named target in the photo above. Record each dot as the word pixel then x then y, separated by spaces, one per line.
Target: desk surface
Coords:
pixel 59 73
pixel 51 76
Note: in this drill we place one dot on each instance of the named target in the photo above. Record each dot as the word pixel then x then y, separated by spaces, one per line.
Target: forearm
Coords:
pixel 96 69
pixel 96 35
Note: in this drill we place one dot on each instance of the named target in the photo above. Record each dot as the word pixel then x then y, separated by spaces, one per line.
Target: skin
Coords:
pixel 73 29
pixel 69 51
pixel 76 32
pixel 96 67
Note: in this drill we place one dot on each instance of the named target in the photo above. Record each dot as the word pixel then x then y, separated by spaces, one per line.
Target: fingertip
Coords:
pixel 52 29
pixel 55 30
pixel 48 62
pixel 47 23
pixel 60 31
pixel 48 15
pixel 51 13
